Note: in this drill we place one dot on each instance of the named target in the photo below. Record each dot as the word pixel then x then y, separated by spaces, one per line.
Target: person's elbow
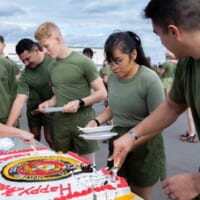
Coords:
pixel 177 108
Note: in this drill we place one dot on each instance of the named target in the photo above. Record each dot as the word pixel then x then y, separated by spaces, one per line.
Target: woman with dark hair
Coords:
pixel 134 91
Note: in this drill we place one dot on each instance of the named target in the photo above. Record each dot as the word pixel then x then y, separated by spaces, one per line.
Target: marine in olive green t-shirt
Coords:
pixel 138 97
pixel 36 79
pixel 167 78
pixel 8 87
pixel 185 89
pixel 35 84
pixel 71 78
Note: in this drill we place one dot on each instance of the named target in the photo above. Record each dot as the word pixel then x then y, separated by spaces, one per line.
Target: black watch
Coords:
pixel 81 103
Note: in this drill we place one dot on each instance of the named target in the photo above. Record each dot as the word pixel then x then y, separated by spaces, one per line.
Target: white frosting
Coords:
pixel 6 144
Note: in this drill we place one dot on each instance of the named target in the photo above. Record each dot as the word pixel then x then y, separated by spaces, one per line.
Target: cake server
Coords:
pixel 114 173
pixel 115 168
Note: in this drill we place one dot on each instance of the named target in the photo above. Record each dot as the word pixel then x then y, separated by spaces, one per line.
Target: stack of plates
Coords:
pixel 97 133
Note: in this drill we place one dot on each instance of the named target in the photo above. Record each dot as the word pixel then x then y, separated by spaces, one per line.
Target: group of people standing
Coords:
pixel 57 76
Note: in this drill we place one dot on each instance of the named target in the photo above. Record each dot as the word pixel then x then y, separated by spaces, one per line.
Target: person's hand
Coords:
pixel 71 107
pixel 122 146
pixel 27 137
pixel 91 123
pixel 181 187
pixel 43 105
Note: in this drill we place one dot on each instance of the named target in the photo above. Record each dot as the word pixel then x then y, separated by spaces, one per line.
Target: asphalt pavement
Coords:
pixel 181 156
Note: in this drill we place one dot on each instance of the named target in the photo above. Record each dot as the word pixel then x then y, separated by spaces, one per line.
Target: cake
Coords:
pixel 52 176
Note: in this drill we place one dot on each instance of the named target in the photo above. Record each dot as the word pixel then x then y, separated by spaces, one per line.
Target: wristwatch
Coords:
pixel 81 103
pixel 133 134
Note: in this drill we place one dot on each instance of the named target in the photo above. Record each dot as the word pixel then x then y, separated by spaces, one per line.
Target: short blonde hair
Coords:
pixel 46 30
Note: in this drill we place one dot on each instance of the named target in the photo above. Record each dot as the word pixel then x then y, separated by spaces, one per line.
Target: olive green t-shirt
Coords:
pixel 138 96
pixel 186 87
pixel 131 101
pixel 105 71
pixel 169 68
pixel 36 79
pixel 71 77
pixel 14 64
pixel 8 86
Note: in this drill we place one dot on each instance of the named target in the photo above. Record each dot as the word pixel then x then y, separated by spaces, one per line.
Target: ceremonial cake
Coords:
pixel 46 175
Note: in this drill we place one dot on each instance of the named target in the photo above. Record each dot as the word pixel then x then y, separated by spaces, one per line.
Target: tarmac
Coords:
pixel 181 156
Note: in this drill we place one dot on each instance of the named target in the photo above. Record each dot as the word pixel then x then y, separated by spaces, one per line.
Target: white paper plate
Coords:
pixel 53 109
pixel 96 129
pixel 98 136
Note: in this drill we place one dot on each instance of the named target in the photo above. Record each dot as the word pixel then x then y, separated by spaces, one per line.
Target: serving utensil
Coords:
pixel 115 168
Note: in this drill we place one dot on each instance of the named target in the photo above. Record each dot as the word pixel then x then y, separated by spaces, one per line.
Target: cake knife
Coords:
pixel 115 168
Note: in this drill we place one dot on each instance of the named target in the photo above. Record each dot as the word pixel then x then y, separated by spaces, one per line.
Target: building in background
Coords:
pixel 98 56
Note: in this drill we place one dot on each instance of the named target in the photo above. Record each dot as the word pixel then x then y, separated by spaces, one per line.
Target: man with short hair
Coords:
pixel 88 52
pixel 73 76
pixel 34 85
pixel 177 24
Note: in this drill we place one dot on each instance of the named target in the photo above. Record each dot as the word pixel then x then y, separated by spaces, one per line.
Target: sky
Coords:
pixel 85 23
